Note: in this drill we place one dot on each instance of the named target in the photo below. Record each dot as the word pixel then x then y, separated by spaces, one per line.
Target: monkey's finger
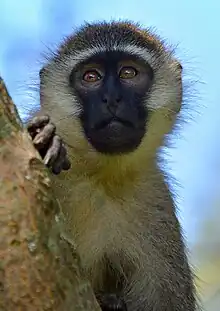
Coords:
pixel 58 163
pixel 45 135
pixel 61 162
pixel 38 122
pixel 53 151
pixel 66 164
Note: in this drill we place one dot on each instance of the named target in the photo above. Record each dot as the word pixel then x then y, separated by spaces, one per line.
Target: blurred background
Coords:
pixel 29 27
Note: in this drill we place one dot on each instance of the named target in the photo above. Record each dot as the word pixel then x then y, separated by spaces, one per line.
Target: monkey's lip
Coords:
pixel 113 123
pixel 115 137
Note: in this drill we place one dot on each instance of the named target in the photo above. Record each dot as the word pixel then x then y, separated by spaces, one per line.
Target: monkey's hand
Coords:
pixel 48 143
pixel 111 302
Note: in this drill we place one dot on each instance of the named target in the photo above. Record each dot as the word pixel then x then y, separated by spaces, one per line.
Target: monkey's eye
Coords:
pixel 127 73
pixel 91 76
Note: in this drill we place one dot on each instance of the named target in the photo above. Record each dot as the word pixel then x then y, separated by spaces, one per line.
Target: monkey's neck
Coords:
pixel 114 173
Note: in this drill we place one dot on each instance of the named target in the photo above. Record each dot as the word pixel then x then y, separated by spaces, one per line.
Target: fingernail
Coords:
pixel 46 160
pixel 38 140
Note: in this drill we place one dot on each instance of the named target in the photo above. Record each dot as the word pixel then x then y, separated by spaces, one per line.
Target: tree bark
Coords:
pixel 39 269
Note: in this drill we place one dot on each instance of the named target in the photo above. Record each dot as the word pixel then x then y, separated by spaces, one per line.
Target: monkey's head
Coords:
pixel 113 88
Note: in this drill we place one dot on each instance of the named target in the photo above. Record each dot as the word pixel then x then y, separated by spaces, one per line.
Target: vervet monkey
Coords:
pixel 109 95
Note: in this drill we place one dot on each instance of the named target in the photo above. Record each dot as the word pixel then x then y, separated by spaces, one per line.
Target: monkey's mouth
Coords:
pixel 113 122
pixel 115 136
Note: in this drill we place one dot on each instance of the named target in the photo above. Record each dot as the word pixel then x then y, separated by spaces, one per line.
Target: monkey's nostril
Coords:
pixel 118 99
pixel 105 99
pixel 111 99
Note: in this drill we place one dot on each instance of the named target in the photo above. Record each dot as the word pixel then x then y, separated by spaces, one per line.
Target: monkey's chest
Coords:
pixel 97 223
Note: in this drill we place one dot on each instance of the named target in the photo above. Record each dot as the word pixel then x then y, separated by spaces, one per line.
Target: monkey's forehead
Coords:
pixel 110 36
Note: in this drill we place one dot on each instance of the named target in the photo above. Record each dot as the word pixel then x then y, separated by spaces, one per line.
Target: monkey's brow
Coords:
pixel 83 54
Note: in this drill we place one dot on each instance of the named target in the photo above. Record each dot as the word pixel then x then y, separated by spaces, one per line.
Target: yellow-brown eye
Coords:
pixel 91 76
pixel 127 73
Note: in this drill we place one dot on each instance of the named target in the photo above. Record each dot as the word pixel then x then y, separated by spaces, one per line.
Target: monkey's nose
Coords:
pixel 112 102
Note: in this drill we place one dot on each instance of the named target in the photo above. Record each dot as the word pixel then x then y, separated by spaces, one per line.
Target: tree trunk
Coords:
pixel 39 269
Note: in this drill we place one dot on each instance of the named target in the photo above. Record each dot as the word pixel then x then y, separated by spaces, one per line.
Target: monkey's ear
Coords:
pixel 178 65
pixel 42 72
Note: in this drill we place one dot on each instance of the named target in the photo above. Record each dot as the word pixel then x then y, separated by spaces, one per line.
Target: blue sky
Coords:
pixel 28 26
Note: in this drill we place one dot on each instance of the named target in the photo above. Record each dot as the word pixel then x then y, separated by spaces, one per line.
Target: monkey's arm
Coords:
pixel 164 280
pixel 39 268
pixel 54 154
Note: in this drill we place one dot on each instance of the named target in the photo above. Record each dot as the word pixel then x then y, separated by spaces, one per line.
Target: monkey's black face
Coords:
pixel 112 88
